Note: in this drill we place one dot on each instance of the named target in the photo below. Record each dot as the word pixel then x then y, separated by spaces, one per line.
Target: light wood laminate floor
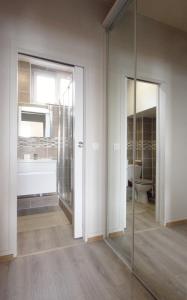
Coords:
pixel 144 220
pixel 160 253
pixel 160 258
pixel 81 272
pixel 44 231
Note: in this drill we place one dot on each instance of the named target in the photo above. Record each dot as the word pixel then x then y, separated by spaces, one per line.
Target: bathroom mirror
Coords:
pixel 34 121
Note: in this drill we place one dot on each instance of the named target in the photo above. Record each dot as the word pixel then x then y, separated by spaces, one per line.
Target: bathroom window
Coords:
pixel 44 87
pixel 48 86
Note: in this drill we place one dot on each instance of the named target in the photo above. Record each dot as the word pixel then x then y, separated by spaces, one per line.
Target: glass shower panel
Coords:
pixel 65 153
pixel 120 132
pixel 160 236
pixel 52 140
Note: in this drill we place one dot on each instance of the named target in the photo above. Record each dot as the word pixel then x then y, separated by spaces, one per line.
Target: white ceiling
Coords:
pixel 170 12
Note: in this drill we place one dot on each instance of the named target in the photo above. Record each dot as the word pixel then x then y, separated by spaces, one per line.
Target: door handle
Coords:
pixel 80 144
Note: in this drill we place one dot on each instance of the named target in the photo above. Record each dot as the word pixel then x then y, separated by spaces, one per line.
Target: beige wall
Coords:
pixel 67 31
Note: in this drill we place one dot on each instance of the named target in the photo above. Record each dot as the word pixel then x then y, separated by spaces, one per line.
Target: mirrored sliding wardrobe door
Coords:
pixel 121 50
pixel 160 232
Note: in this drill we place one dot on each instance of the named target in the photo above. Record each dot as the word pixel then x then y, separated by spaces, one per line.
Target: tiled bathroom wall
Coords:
pixel 145 145
pixel 130 140
pixel 149 149
pixel 43 147
pixel 24 82
pixel 154 149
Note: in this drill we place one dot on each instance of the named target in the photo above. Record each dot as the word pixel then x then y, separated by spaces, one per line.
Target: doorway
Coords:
pixel 49 155
pixel 142 163
pixel 140 133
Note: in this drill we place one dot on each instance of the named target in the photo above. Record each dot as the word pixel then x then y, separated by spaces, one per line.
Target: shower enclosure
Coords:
pixel 65 149
pixel 70 151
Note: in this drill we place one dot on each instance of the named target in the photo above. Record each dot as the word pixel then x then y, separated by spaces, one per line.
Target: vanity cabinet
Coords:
pixel 36 176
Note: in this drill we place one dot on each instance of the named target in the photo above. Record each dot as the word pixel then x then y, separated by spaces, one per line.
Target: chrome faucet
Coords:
pixel 35 156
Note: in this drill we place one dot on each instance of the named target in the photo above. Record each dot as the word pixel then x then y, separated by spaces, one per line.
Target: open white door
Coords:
pixel 78 151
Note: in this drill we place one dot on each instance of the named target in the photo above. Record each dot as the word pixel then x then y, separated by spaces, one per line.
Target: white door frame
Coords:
pixel 78 147
pixel 160 145
pixel 15 50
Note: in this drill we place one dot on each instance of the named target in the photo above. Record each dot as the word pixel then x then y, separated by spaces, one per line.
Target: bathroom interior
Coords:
pixel 44 155
pixel 144 167
pixel 145 152
pixel 146 199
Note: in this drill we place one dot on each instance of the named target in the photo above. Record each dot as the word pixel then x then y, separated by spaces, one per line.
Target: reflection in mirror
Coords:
pixel 160 237
pixel 144 169
pixel 34 121
pixel 38 128
pixel 155 144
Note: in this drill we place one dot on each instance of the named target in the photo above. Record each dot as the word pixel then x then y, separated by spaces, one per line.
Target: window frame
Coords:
pixel 47 73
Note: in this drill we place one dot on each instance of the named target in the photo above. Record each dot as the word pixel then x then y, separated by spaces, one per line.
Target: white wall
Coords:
pixel 146 96
pixel 68 31
pixel 162 57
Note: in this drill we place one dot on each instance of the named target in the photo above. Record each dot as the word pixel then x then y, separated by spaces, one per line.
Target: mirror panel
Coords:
pixel 120 67
pixel 38 129
pixel 160 236
pixel 147 216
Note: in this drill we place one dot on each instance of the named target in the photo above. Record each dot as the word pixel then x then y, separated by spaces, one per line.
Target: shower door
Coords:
pixel 65 150
pixel 70 154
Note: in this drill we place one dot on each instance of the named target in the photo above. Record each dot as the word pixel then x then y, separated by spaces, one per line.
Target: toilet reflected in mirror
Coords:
pixel 142 165
pixel 142 186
